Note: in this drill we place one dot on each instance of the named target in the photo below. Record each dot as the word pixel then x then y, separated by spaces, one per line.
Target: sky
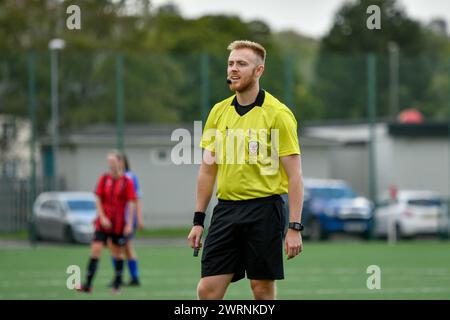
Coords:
pixel 309 17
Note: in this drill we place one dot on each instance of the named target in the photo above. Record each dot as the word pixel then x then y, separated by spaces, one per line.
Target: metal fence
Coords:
pixel 152 88
pixel 114 87
pixel 16 200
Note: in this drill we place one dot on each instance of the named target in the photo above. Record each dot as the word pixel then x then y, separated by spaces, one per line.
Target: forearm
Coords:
pixel 139 209
pixel 205 186
pixel 132 205
pixel 100 212
pixel 295 194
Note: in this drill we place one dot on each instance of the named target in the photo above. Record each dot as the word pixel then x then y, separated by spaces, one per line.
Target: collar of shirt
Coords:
pixel 241 110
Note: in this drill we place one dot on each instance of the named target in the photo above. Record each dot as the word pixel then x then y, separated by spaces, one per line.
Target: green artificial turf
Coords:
pixel 329 270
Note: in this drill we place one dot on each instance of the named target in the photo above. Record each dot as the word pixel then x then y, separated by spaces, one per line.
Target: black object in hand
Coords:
pixel 196 250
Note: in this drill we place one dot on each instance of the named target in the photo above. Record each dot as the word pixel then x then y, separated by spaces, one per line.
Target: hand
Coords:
pixel 104 221
pixel 140 224
pixel 293 243
pixel 195 237
pixel 128 229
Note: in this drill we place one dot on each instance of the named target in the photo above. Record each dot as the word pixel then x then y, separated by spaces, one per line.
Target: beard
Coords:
pixel 245 84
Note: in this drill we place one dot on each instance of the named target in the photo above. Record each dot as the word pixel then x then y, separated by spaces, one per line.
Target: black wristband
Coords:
pixel 199 218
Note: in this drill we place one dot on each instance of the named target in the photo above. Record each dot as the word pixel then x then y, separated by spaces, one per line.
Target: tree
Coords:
pixel 341 66
pixel 161 53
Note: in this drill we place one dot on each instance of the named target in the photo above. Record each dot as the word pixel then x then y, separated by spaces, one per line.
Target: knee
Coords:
pixel 96 250
pixel 263 290
pixel 116 252
pixel 206 291
pixel 129 252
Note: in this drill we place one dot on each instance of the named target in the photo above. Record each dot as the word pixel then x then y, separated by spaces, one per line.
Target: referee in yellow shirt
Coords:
pixel 250 144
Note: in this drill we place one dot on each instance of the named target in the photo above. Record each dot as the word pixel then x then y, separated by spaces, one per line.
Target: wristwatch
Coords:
pixel 297 226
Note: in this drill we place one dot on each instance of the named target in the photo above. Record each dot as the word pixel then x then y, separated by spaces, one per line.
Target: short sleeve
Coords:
pixel 131 193
pixel 99 190
pixel 286 124
pixel 137 188
pixel 209 132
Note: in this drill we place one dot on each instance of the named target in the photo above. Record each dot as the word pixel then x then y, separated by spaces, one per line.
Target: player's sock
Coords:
pixel 118 273
pixel 133 267
pixel 114 263
pixel 92 267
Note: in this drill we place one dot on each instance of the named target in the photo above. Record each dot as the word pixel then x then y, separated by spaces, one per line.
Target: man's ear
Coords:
pixel 259 70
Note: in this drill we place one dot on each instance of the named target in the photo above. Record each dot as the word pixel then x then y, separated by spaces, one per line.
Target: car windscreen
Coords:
pixel 332 193
pixel 425 202
pixel 81 205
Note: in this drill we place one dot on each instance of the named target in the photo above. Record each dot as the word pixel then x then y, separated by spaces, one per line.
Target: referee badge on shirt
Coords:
pixel 253 148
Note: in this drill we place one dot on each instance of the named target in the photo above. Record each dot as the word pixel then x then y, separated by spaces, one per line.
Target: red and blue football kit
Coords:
pixel 114 194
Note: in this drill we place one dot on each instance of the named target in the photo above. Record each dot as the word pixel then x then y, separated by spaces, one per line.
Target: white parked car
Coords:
pixel 412 213
pixel 65 216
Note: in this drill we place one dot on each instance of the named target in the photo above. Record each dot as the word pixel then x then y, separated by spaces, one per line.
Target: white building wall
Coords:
pixel 384 162
pixel 422 163
pixel 316 162
pixel 350 163
pixel 168 190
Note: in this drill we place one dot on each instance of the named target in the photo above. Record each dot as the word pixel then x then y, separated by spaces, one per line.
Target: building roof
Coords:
pixel 106 134
pixel 315 135
pixel 151 135
pixel 348 134
pixel 426 129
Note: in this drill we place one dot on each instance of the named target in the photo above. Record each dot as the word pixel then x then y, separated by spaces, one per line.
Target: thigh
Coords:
pixel 100 236
pixel 264 248
pixel 116 251
pixel 129 249
pixel 222 253
pixel 118 240
pixel 96 249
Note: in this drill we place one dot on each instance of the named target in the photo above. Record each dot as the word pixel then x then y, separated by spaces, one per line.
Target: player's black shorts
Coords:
pixel 119 240
pixel 245 237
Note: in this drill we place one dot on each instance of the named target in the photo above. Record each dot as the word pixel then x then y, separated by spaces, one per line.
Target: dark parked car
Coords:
pixel 331 206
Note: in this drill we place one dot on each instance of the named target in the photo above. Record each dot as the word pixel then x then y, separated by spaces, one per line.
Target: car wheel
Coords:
pixel 369 234
pixel 400 234
pixel 68 235
pixel 366 235
pixel 38 236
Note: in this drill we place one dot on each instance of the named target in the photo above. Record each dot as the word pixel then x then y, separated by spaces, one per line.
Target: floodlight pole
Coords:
pixel 32 116
pixel 119 103
pixel 204 72
pixel 55 45
pixel 393 79
pixel 371 114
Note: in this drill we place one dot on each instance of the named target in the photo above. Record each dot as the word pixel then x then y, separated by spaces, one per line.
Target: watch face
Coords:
pixel 296 226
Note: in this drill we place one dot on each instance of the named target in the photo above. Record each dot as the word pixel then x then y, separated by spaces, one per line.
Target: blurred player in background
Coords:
pixel 114 192
pixel 130 252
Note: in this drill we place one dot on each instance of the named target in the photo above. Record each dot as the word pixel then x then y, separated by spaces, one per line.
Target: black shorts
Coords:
pixel 245 237
pixel 117 239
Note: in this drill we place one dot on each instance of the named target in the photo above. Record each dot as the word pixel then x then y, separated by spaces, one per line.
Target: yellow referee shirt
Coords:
pixel 248 145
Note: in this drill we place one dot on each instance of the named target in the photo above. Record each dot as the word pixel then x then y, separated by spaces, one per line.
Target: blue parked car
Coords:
pixel 331 206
